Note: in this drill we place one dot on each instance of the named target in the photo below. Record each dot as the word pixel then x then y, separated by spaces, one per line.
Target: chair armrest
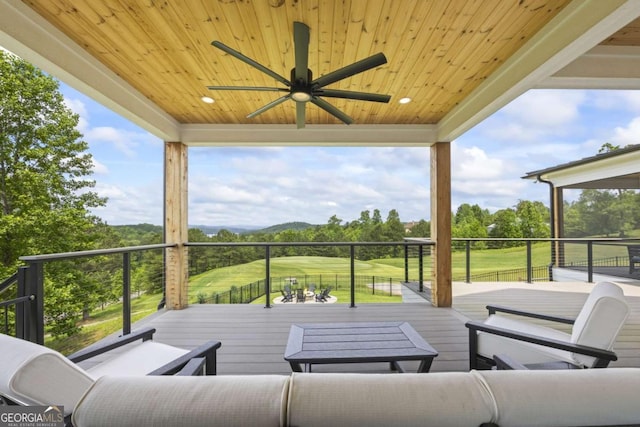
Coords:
pixel 144 334
pixel 193 367
pixel 493 309
pixel 207 350
pixel 548 342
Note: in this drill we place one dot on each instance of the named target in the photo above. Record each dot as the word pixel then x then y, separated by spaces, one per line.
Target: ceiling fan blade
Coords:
pixel 332 110
pixel 268 106
pixel 301 43
pixel 258 88
pixel 350 70
pixel 362 96
pixel 300 114
pixel 250 61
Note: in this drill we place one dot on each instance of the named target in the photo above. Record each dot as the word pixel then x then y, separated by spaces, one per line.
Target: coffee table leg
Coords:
pixel 295 367
pixel 425 365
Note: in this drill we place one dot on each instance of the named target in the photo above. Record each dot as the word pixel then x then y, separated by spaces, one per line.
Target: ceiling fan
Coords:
pixel 302 88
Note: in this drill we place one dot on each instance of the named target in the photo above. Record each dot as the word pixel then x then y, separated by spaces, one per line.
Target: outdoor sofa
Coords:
pixel 585 397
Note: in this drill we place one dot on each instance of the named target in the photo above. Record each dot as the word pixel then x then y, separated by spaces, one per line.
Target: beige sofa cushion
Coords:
pixel 565 397
pixel 32 374
pixel 453 399
pixel 257 400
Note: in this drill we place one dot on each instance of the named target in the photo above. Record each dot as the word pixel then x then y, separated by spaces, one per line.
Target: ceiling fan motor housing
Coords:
pixel 300 89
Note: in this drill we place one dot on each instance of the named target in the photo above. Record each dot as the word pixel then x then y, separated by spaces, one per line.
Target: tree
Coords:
pixel 45 193
pixel 533 219
pixel 505 225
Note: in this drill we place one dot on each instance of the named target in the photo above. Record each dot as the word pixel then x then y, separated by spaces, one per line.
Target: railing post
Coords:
pixel 529 268
pixel 420 268
pixel 126 293
pixel 590 261
pixel 267 279
pixel 468 261
pixel 22 309
pixel 35 286
pixel 353 275
pixel 406 263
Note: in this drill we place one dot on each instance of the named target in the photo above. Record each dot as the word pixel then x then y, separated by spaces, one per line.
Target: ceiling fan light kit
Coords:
pixel 302 88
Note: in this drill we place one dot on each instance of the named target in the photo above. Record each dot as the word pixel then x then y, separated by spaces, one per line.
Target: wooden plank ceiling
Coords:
pixel 437 51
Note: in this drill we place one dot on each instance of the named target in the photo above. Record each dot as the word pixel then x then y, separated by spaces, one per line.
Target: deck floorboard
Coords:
pixel 254 337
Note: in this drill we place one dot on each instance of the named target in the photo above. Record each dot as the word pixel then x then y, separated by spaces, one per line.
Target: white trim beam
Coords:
pixel 315 135
pixel 619 166
pixel 603 67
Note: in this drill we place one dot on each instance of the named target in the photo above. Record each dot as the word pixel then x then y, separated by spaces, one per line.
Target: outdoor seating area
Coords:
pixel 305 296
pixel 250 359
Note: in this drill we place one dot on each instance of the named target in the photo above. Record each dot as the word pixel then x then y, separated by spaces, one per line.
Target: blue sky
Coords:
pixel 227 186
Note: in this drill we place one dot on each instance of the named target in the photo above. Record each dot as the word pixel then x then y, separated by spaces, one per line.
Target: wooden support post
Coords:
pixel 175 225
pixel 441 292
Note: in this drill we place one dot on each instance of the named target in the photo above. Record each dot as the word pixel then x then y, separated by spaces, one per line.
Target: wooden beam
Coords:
pixel 441 291
pixel 175 225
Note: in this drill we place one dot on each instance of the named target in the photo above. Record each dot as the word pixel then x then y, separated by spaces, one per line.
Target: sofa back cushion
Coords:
pixel 600 320
pixel 230 401
pixel 31 374
pixel 573 397
pixel 453 399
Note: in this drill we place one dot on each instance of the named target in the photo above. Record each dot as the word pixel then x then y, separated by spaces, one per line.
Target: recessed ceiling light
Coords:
pixel 207 99
pixel 404 100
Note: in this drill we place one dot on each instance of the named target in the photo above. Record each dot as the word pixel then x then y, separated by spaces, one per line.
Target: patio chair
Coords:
pixel 300 296
pixel 634 257
pixel 32 374
pixel 589 345
pixel 286 296
pixel 322 296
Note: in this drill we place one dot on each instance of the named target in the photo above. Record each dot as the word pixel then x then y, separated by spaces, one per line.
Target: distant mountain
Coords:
pixel 214 229
pixel 296 226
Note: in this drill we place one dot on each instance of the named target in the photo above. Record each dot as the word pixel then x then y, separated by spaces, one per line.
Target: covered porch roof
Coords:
pixel 460 61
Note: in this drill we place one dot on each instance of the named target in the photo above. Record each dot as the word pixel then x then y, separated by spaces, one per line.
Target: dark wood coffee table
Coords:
pixel 324 343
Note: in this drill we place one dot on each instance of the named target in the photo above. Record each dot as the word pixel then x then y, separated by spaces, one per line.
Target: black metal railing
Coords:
pixel 563 253
pixel 22 296
pixel 30 314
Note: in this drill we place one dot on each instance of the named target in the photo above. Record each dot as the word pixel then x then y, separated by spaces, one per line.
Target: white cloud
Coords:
pixel 474 163
pixel 535 115
pixel 627 135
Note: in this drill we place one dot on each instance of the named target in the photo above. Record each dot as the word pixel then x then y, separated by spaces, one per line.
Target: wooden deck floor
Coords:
pixel 254 338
